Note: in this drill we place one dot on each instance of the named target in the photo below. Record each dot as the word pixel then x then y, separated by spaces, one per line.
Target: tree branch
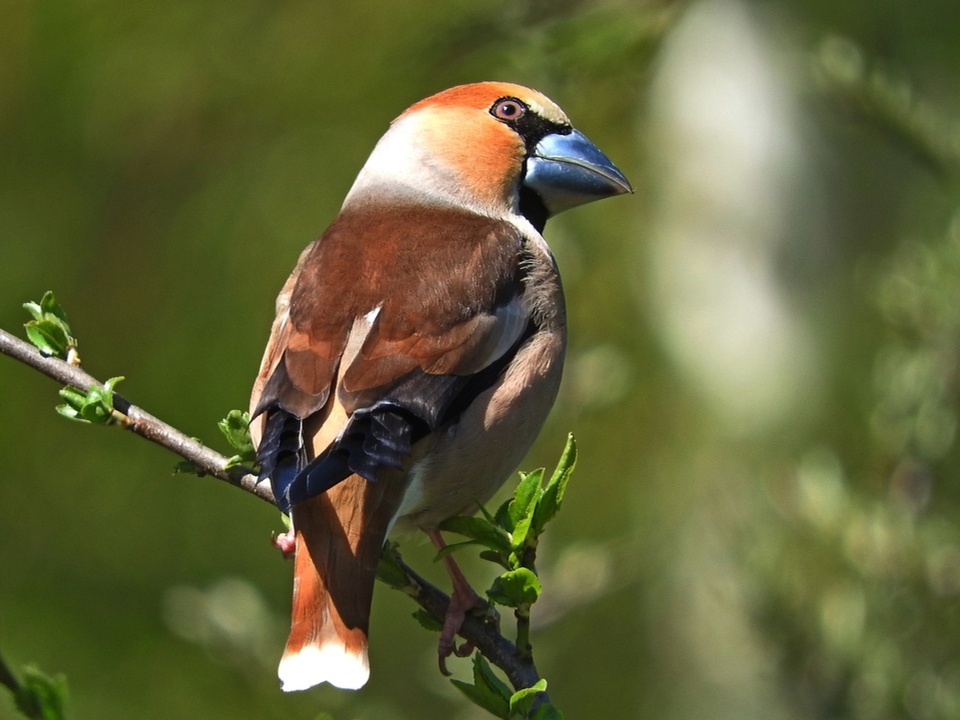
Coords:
pixel 495 647
pixel 521 671
pixel 137 420
pixel 8 679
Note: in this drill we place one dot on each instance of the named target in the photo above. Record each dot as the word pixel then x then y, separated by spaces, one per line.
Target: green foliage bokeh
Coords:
pixel 161 167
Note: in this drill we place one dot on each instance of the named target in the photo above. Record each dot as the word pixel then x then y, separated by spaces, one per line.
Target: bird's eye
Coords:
pixel 508 109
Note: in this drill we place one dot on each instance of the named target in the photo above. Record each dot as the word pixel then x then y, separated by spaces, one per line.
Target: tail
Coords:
pixel 339 537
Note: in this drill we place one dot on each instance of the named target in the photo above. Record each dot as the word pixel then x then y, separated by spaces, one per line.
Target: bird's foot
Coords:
pixel 463 600
pixel 285 543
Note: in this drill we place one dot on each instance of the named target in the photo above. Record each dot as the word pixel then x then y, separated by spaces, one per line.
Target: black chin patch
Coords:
pixel 533 209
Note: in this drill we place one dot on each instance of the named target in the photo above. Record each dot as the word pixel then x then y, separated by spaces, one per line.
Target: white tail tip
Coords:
pixel 332 663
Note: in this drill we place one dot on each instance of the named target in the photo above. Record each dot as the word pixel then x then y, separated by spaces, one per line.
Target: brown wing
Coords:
pixel 392 317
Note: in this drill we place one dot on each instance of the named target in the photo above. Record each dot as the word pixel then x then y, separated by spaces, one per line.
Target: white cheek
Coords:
pixel 404 165
pixel 397 163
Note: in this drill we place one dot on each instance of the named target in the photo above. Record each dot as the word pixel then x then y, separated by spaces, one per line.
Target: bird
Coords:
pixel 417 349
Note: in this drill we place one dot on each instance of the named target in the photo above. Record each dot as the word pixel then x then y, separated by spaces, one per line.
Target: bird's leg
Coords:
pixel 463 599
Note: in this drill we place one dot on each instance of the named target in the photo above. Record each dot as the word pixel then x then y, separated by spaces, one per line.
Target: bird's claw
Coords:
pixel 460 604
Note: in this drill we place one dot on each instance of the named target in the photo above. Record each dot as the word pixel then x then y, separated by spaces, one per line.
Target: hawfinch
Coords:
pixel 417 350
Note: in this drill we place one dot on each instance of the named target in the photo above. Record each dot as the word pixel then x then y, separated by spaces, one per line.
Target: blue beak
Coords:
pixel 569 170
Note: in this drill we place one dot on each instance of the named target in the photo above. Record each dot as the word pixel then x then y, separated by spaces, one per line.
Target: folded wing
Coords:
pixel 358 370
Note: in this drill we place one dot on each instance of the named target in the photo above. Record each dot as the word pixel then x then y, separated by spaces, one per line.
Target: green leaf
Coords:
pixel 487 516
pixel 50 306
pixel 42 696
pixel 389 569
pixel 427 621
pixel 236 429
pixel 235 460
pixel 34 309
pixel 482 699
pixel 484 674
pixel 487 691
pixel 49 331
pixel 95 406
pixel 547 711
pixel 526 495
pixel 74 400
pixel 479 529
pixel 501 517
pixel 186 467
pixel 522 508
pixel 521 702
pixel 516 588
pixel 453 547
pixel 553 493
pixel 495 557
pixel 48 338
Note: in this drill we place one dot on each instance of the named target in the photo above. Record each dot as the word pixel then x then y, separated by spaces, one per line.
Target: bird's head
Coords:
pixel 496 148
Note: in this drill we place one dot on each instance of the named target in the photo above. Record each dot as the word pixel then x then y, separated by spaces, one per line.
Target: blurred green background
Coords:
pixel 762 376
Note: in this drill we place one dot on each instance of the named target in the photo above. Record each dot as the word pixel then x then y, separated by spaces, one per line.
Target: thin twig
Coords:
pixel 8 679
pixel 139 421
pixel 485 637
pixel 495 647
